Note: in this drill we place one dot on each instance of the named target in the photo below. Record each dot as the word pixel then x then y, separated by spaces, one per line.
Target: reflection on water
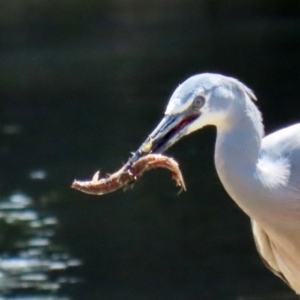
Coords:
pixel 10 129
pixel 38 174
pixel 34 298
pixel 31 263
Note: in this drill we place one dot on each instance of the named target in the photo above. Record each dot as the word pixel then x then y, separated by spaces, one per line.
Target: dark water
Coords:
pixel 82 83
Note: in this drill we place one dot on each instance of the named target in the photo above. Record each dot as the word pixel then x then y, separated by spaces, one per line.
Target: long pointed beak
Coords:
pixel 169 130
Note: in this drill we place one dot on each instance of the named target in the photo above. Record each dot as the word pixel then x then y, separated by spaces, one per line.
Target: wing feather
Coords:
pixel 265 250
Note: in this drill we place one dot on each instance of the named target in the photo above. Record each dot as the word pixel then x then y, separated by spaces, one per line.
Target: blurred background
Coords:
pixel 82 84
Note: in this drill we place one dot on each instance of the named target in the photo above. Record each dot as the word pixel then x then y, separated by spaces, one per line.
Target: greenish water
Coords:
pixel 82 84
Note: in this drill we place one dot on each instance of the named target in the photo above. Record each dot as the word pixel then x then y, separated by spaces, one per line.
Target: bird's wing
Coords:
pixel 265 250
pixel 280 247
pixel 283 149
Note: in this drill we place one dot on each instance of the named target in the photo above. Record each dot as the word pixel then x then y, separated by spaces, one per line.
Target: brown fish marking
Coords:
pixel 128 175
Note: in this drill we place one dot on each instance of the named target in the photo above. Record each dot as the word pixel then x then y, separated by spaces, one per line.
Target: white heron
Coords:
pixel 261 174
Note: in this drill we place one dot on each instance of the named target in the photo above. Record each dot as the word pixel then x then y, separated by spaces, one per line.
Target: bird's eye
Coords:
pixel 198 102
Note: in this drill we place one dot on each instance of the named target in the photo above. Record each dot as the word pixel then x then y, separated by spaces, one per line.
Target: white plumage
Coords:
pixel 261 174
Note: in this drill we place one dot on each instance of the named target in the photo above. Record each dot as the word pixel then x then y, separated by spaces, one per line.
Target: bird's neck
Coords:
pixel 237 152
pixel 239 142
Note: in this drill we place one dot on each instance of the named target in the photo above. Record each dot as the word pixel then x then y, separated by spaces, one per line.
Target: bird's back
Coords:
pixel 280 161
pixel 284 144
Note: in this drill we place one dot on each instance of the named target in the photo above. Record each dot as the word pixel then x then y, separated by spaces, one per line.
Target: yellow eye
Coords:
pixel 147 148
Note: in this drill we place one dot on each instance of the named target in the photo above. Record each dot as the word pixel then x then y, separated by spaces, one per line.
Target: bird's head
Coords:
pixel 204 99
